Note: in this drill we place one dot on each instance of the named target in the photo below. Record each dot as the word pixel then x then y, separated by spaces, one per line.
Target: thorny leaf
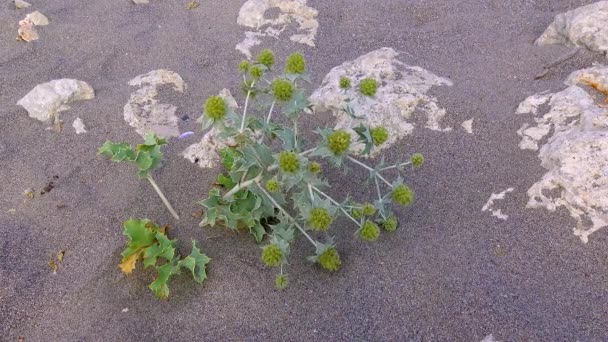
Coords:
pixel 196 263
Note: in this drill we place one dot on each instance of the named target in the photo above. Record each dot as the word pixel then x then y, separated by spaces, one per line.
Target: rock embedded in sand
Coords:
pixel 145 113
pixel 46 100
pixel 20 4
pixel 253 14
pixel 79 126
pixel 37 18
pixel 586 26
pixel 572 140
pixel 402 90
pixel 139 2
pixel 27 31
pixel 489 206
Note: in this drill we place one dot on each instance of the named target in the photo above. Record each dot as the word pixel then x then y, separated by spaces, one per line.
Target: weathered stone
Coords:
pixel 401 91
pixel 37 18
pixel 585 26
pixel 46 100
pixel 576 150
pixel 20 4
pixel 252 14
pixel 145 113
pixel 27 31
pixel 79 126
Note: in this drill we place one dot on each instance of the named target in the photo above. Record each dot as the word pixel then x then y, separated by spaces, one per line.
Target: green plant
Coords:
pixel 149 243
pixel 272 180
pixel 147 156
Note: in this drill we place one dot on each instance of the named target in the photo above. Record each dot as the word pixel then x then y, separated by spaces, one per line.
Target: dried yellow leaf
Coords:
pixel 60 255
pixel 128 264
pixel 192 5
pixel 52 264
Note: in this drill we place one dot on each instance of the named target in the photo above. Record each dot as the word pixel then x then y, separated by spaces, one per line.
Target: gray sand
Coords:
pixel 440 278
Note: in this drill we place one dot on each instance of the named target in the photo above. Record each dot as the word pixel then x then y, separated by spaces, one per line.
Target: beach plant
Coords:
pixel 272 182
pixel 146 157
pixel 149 244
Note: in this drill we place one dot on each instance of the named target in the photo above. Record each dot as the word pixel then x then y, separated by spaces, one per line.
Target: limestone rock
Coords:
pixel 575 153
pixel 37 18
pixel 46 100
pixel 79 126
pixel 20 4
pixel 145 113
pixel 586 26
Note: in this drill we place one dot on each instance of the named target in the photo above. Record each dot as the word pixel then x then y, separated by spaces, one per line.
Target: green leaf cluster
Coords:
pixel 147 242
pixel 146 156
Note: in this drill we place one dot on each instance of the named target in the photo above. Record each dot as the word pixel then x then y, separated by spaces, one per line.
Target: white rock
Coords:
pixel 585 26
pixel 145 113
pixel 468 125
pixel 79 126
pixel 37 18
pixel 46 100
pixel 139 2
pixel 575 153
pixel 252 14
pixel 489 206
pixel 401 91
pixel 20 4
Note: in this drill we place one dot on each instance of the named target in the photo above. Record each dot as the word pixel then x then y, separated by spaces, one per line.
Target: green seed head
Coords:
pixel 379 135
pixel 344 82
pixel 256 72
pixel 281 281
pixel 273 185
pixel 330 260
pixel 369 231
pixel 417 159
pixel 289 162
pixel 368 209
pixel 339 142
pixel 215 108
pixel 391 223
pixel 282 89
pixel 244 66
pixel 314 167
pixel 272 255
pixel 319 219
pixel 402 194
pixel 357 213
pixel 295 64
pixel 368 87
pixel 266 57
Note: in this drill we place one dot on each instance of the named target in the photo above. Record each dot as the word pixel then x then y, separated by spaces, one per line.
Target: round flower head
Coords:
pixel 417 159
pixel 403 195
pixel 319 219
pixel 282 89
pixel 244 66
pixel 289 162
pixel 256 72
pixel 330 260
pixel 314 167
pixel 357 213
pixel 339 142
pixel 379 135
pixel 266 57
pixel 281 281
pixel 295 64
pixel 368 209
pixel 369 231
pixel 273 185
pixel 391 223
pixel 368 87
pixel 344 82
pixel 215 108
pixel 272 255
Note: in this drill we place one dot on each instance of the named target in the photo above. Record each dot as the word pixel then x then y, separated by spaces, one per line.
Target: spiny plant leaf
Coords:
pixel 196 263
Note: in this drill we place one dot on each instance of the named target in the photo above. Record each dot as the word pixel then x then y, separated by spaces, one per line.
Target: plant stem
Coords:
pixel 242 185
pixel 278 206
pixel 162 197
pixel 375 172
pixel 270 112
pixel 307 152
pixel 396 165
pixel 336 204
pixel 378 189
pixel 312 196
pixel 245 108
